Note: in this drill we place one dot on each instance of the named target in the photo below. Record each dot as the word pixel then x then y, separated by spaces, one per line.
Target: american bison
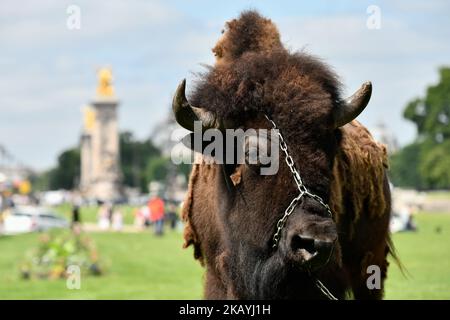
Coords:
pixel 338 226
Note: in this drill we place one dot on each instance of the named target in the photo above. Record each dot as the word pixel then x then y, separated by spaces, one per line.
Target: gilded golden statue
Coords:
pixel 105 88
pixel 89 118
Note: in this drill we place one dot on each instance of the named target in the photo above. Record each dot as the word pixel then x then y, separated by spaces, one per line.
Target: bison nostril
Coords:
pixel 308 244
pixel 323 246
pixel 310 252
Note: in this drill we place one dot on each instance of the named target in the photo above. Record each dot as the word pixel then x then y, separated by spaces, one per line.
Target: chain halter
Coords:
pixel 303 192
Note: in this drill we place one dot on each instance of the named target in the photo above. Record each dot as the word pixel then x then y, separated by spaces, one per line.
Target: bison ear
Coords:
pixel 353 105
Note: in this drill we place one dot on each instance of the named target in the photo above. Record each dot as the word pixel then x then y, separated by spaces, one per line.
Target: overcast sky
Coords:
pixel 47 72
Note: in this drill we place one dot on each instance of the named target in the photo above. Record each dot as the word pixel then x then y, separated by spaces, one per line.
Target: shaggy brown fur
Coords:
pixel 231 229
pixel 362 216
pixel 190 236
pixel 249 33
pixel 359 152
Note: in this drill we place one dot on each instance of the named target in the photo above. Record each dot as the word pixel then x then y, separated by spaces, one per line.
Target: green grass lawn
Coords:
pixel 142 266
pixel 426 256
pixel 438 195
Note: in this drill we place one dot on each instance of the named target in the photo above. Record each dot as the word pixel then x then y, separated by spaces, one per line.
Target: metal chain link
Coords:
pixel 324 290
pixel 303 191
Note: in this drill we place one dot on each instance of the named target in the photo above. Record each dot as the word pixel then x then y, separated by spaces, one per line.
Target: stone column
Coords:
pixel 101 177
pixel 106 174
pixel 86 162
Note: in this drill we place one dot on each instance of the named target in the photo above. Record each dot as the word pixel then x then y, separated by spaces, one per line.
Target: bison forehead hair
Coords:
pixel 250 32
pixel 259 76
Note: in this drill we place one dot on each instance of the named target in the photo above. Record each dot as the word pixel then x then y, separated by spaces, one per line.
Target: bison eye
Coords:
pixel 251 151
pixel 251 157
pixel 258 151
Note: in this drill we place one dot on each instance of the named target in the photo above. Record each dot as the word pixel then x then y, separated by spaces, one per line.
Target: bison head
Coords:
pixel 235 209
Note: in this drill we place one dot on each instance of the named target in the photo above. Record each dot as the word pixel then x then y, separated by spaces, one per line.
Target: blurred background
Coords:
pixel 86 135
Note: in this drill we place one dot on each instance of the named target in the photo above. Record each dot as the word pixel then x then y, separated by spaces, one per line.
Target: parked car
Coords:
pixel 30 219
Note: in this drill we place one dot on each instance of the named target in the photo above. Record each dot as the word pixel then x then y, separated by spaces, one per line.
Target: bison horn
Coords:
pixel 185 114
pixel 353 105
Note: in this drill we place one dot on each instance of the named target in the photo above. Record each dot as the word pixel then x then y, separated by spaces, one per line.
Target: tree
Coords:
pixel 435 166
pixel 404 167
pixel 157 169
pixel 425 164
pixel 134 156
pixel 41 181
pixel 432 113
pixel 67 172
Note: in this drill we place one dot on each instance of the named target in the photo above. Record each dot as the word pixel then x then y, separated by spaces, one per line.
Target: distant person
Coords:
pixel 110 214
pixel 156 207
pixel 145 212
pixel 10 202
pixel 76 215
pixel 142 217
pixel 103 217
pixel 138 220
pixel 172 216
pixel 76 219
pixel 410 224
pixel 117 220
